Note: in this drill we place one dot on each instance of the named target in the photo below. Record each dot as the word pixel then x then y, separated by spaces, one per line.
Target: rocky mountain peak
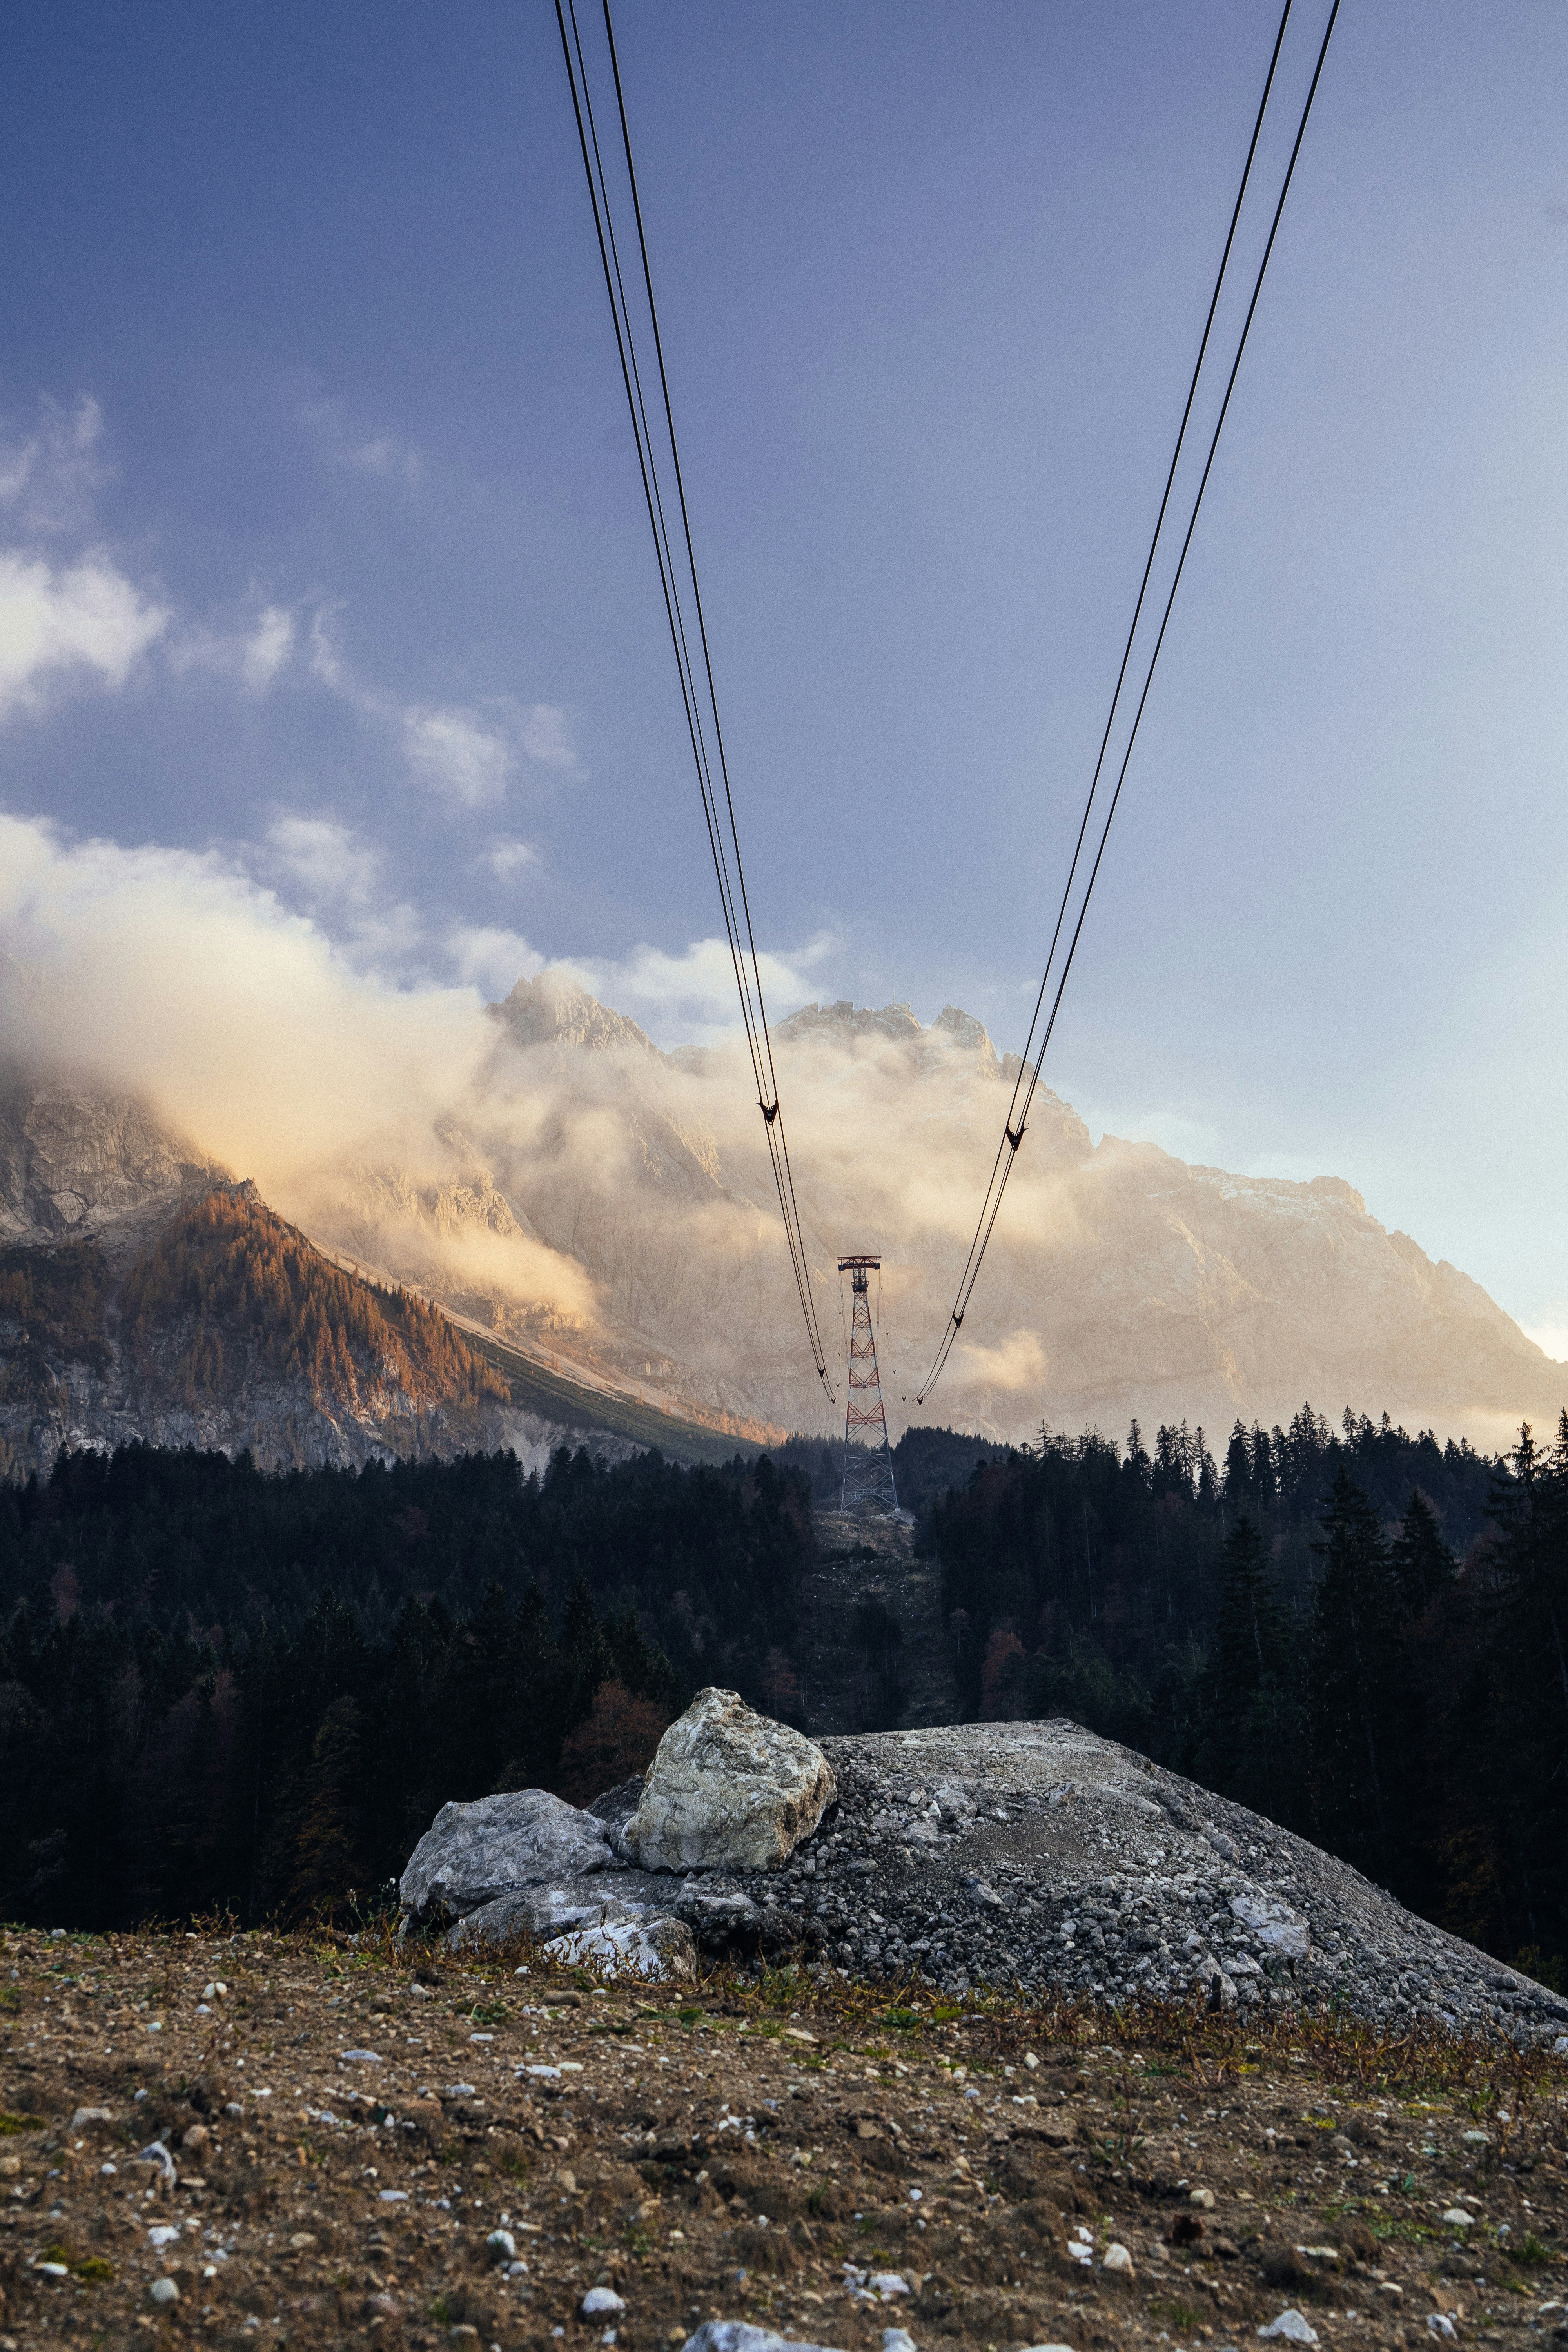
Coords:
pixel 550 1010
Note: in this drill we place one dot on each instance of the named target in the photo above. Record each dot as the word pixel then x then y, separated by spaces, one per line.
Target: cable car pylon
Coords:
pixel 868 1457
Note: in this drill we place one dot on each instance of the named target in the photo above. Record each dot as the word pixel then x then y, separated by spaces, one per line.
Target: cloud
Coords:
pixel 542 726
pixel 57 620
pixel 50 476
pixel 254 654
pixel 691 997
pixel 383 455
pixel 386 455
pixel 465 756
pixel 325 857
pixel 1552 1333
pixel 1019 1362
pixel 508 859
pixel 464 760
pixel 492 957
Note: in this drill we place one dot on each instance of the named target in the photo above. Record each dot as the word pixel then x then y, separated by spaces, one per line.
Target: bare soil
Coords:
pixel 824 2159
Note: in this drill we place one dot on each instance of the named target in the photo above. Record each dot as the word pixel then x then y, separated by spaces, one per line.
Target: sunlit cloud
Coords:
pixel 508 859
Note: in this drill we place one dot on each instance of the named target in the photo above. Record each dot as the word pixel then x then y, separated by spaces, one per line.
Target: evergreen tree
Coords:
pixel 1359 1698
pixel 1423 1563
pixel 1254 1707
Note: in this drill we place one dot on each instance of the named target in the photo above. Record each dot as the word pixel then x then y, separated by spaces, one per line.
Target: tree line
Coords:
pixel 224 1689
pixel 1358 1633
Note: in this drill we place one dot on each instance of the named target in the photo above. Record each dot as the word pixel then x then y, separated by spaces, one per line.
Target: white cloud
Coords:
pixel 461 759
pixel 325 857
pixel 49 476
pixel 492 957
pixel 386 455
pixel 254 654
pixel 507 857
pixel 1552 1333
pixel 346 443
pixel 84 616
pixel 545 739
pixel 692 997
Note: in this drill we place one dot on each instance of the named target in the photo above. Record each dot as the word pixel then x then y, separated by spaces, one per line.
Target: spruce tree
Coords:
pixel 1257 1736
pixel 1360 1702
pixel 1423 1563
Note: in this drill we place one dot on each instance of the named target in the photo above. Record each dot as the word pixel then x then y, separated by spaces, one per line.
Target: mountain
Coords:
pixel 1121 1281
pixel 145 1294
pixel 598 1219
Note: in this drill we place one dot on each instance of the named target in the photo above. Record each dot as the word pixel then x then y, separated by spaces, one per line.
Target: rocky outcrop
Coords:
pixel 1038 1854
pixel 728 1789
pixel 1034 1855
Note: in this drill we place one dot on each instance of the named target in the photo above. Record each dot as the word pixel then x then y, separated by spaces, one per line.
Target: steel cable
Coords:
pixel 701 716
pixel 1017 1122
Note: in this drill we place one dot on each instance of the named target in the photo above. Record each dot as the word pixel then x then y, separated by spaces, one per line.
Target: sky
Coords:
pixel 325 579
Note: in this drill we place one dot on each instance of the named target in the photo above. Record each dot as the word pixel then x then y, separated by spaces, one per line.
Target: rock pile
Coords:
pixel 1030 1855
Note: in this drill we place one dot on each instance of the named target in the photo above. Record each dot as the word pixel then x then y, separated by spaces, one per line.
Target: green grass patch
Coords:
pixel 10 2125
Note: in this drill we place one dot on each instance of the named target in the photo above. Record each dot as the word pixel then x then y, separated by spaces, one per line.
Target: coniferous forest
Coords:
pixel 221 1690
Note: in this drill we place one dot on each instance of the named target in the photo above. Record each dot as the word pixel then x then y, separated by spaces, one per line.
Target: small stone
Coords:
pixel 1204 2198
pixel 1439 2324
pixel 1117 2258
pixel 502 2246
pixel 164 2291
pixel 1292 2327
pixel 1458 2219
pixel 602 2303
pixel 85 2117
pixel 197 2136
pixel 897 2339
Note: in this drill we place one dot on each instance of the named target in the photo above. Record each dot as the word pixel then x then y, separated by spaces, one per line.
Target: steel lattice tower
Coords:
pixel 869 1459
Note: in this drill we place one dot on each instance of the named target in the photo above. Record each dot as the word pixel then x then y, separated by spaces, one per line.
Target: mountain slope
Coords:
pixel 1121 1281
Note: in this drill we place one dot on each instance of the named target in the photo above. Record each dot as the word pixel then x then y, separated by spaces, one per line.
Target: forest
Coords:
pixel 227 1689
pixel 1358 1633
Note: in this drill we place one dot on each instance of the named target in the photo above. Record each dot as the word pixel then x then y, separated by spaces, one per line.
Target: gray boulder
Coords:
pixel 728 1789
pixel 473 1854
pixel 596 1899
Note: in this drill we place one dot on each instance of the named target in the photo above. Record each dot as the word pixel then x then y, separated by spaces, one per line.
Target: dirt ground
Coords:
pixel 338 2133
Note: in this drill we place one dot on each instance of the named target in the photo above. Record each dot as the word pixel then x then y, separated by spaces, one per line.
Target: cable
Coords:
pixel 1017 1122
pixel 701 707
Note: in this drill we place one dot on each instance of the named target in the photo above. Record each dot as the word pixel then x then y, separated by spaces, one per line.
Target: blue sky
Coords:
pixel 323 553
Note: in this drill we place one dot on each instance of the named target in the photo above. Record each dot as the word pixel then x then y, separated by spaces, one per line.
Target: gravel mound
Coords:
pixel 1036 1854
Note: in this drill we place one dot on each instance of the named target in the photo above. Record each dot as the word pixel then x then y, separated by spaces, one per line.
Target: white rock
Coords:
pixel 728 1789
pixel 85 2116
pixel 470 1855
pixel 1292 2327
pixel 501 2245
pixel 897 2339
pixel 602 2303
pixel 1458 2219
pixel 1117 2258
pixel 164 2291
pixel 737 2335
pixel 629 1948
pixel 1273 1923
pixel 1439 2324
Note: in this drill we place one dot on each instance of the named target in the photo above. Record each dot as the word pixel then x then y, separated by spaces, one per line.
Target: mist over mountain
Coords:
pixel 597 1194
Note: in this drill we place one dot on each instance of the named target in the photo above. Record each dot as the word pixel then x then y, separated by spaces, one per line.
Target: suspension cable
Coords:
pixel 1015 1124
pixel 677 571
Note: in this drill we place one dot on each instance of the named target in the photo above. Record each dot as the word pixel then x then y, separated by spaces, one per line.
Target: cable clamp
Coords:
pixel 1015 1139
pixel 770 1110
pixel 957 1322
